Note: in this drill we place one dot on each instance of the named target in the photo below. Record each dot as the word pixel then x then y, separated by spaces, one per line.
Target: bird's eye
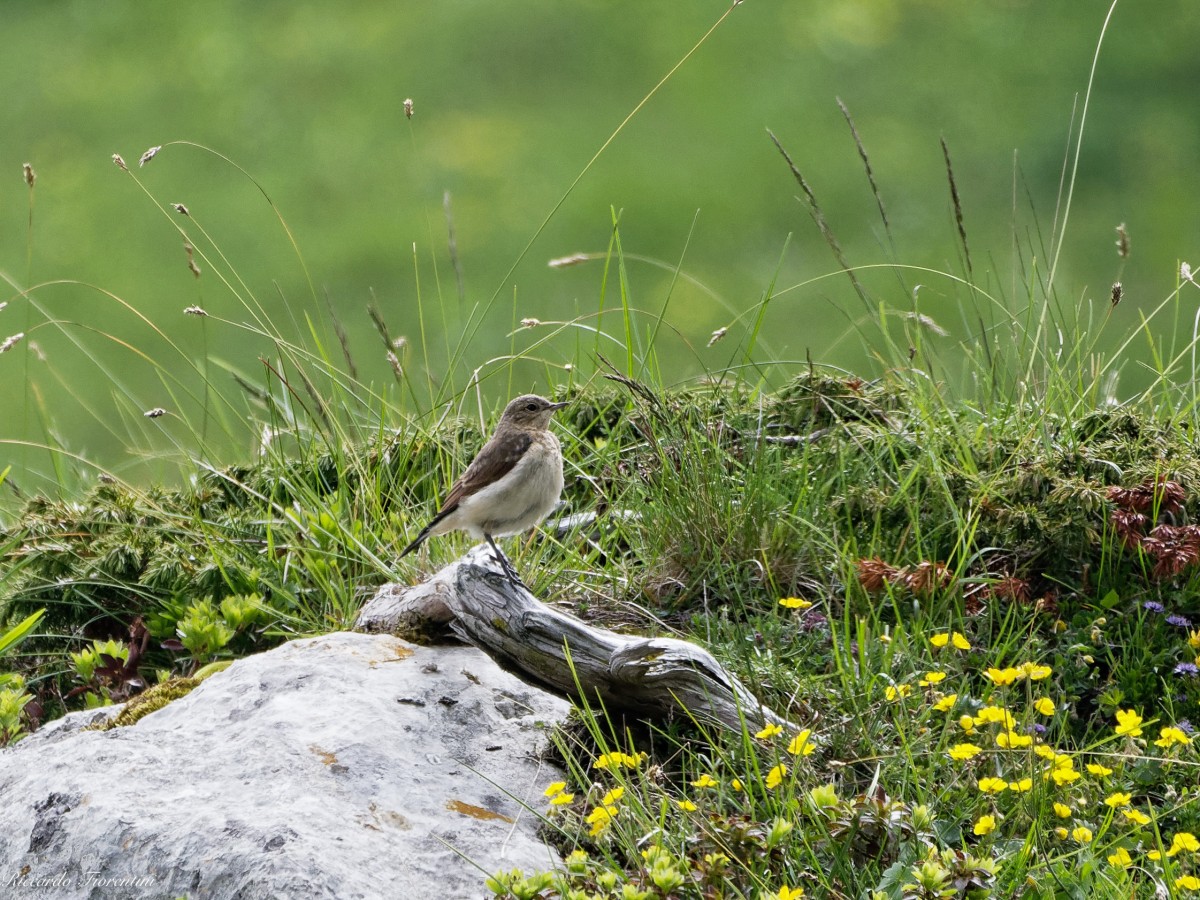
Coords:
pixel 532 407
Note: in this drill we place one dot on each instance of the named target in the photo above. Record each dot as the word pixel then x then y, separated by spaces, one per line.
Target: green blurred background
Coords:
pixel 511 101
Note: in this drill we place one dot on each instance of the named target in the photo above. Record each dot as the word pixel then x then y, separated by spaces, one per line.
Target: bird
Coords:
pixel 513 483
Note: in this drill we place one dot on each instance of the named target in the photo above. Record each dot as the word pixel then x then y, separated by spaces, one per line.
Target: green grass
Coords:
pixel 821 531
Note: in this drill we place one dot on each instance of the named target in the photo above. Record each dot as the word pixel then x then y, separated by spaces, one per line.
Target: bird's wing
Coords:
pixel 495 460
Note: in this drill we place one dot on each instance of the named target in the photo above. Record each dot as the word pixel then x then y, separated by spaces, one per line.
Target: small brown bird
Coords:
pixel 512 484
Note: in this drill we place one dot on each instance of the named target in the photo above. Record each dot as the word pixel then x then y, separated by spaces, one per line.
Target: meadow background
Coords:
pixel 511 101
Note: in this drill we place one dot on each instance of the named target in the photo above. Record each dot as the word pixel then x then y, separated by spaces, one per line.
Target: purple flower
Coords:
pixel 1185 726
pixel 1036 728
pixel 1153 606
pixel 1186 668
pixel 1181 621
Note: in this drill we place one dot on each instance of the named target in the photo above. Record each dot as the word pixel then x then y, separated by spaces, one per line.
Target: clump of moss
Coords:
pixel 150 700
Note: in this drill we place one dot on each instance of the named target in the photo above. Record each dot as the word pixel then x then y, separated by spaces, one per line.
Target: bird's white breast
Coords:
pixel 521 498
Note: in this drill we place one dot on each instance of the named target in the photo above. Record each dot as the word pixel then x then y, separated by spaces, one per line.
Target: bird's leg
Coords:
pixel 511 573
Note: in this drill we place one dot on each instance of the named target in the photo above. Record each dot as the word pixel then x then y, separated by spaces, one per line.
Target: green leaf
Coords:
pixel 15 635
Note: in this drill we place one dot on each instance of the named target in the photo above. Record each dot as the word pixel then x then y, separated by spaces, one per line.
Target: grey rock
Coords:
pixel 345 766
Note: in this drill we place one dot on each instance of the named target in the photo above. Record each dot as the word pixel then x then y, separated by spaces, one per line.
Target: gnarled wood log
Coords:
pixel 646 677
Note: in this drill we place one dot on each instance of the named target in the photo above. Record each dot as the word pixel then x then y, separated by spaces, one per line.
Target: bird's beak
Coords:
pixel 554 406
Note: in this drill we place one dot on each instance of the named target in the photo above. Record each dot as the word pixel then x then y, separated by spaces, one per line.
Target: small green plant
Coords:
pixel 99 654
pixel 204 632
pixel 13 696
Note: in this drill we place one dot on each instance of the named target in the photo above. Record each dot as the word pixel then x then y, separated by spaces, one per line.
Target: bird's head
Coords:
pixel 529 411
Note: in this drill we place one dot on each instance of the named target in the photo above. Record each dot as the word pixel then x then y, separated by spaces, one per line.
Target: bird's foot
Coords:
pixel 506 566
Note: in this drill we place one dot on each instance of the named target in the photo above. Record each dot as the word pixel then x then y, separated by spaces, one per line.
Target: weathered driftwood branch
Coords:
pixel 647 677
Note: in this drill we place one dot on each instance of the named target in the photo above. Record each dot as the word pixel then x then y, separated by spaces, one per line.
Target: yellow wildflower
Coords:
pixel 1001 677
pixel 775 776
pixel 985 825
pixel 1121 858
pixel 1034 672
pixel 736 784
pixel 992 785
pixel 946 703
pixel 1188 882
pixel 787 893
pixel 1060 833
pixel 1044 705
pixel 705 781
pixel 1184 840
pixel 600 818
pixel 1117 799
pixel 967 724
pixel 1136 816
pixel 800 745
pixel 1098 770
pixel 1082 834
pixel 555 789
pixel 1194 639
pixel 1045 752
pixel 1129 723
pixel 990 715
pixel 617 759
pixel 1168 735
pixel 795 603
pixel 561 799
pixel 932 678
pixel 898 691
pixel 1064 776
pixel 1010 740
pixel 1062 810
pixel 964 751
pixel 769 732
pixel 613 796
pixel 942 638
pixel 686 805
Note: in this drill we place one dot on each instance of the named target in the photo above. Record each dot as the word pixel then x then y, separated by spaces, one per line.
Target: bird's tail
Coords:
pixel 427 530
pixel 418 542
